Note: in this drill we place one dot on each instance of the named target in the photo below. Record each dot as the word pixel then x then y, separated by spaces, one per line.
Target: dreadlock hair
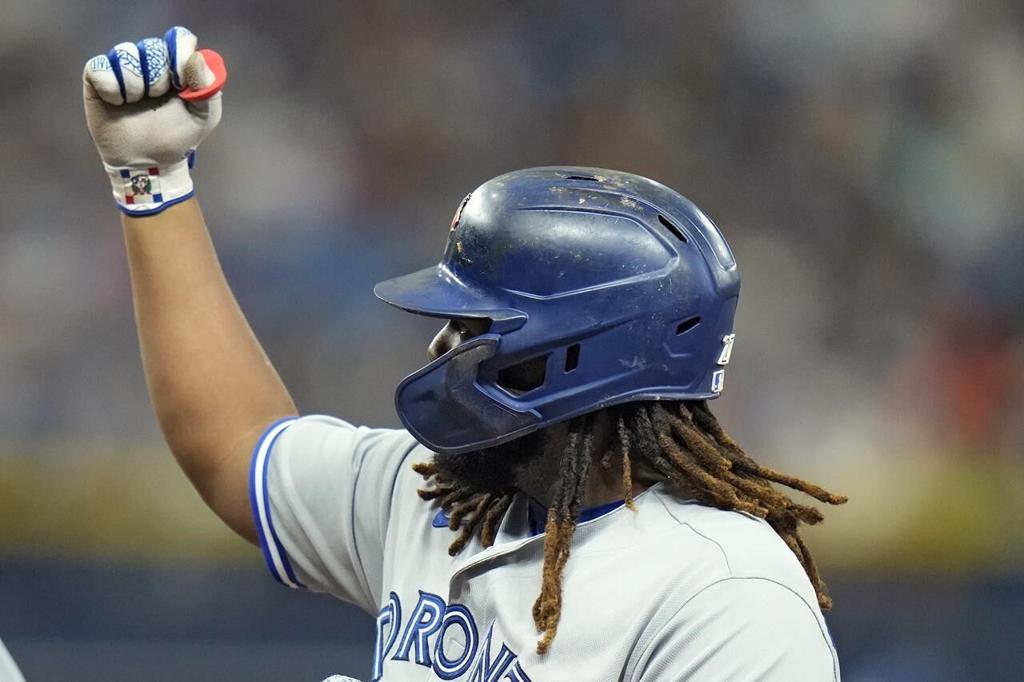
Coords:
pixel 680 441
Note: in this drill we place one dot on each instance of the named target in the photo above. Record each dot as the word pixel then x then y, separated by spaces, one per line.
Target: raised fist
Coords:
pixel 144 132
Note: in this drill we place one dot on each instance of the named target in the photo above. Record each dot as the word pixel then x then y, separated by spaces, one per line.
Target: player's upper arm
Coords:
pixel 741 629
pixel 321 494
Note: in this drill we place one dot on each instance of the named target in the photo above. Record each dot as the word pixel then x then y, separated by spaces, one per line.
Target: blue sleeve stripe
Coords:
pixel 273 551
pixel 115 65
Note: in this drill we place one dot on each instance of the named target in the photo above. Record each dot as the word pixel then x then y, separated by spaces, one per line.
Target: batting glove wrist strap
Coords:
pixel 150 189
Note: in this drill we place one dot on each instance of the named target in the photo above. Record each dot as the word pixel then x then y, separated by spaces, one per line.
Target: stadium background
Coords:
pixel 863 158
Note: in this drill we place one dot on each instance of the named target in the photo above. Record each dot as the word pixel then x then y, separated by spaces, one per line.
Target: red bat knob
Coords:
pixel 220 77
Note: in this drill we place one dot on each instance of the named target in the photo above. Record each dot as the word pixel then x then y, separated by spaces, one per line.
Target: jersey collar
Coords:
pixel 537 514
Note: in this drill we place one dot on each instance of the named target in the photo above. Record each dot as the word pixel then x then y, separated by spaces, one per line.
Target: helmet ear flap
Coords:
pixel 526 376
pixel 523 377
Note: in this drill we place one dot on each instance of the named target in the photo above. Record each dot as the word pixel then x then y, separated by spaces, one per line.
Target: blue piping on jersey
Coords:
pixel 537 525
pixel 537 514
pixel 261 477
pixel 600 510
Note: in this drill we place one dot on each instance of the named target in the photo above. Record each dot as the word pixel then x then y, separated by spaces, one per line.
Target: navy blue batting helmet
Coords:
pixel 601 287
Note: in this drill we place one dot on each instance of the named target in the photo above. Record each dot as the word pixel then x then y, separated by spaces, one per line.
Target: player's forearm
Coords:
pixel 211 384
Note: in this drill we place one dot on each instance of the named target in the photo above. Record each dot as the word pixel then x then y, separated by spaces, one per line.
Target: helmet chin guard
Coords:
pixel 602 288
pixel 444 408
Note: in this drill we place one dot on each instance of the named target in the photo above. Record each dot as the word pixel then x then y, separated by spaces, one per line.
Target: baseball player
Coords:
pixel 562 504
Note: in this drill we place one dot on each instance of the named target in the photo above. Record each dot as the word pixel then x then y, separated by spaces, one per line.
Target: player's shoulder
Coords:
pixel 739 544
pixel 324 433
pixel 735 576
pixel 318 449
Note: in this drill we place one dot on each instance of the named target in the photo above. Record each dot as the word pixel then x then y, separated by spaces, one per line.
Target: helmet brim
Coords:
pixel 436 292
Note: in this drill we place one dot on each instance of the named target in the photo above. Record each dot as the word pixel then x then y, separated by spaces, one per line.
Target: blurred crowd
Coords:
pixel 863 162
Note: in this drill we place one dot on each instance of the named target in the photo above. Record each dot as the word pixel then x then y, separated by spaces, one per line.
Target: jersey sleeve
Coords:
pixel 8 669
pixel 742 629
pixel 321 491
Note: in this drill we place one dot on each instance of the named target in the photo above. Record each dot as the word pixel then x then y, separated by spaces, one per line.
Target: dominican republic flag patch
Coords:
pixel 142 186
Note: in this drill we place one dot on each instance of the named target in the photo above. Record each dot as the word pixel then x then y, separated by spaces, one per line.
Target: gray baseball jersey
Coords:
pixel 8 670
pixel 672 591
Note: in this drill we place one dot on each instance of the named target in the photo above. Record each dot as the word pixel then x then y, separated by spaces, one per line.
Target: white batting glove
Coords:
pixel 144 132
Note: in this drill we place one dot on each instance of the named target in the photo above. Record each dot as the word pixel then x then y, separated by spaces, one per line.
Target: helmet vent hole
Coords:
pixel 672 228
pixel 572 357
pixel 687 325
pixel 588 178
pixel 523 377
